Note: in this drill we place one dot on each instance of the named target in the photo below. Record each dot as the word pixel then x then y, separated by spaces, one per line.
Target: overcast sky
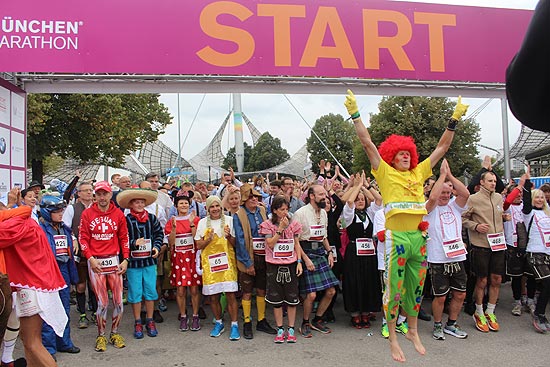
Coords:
pixel 274 113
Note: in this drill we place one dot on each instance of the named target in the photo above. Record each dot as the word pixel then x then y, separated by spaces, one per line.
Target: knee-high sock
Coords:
pixel 260 306
pixel 8 344
pixel 247 306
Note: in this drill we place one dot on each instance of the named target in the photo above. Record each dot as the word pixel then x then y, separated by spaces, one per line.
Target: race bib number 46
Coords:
pixel 497 241
pixel 61 245
pixel 218 262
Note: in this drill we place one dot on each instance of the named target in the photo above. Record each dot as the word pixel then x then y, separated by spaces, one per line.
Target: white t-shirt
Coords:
pixel 216 226
pixel 539 234
pixel 510 225
pixel 445 224
pixel 379 224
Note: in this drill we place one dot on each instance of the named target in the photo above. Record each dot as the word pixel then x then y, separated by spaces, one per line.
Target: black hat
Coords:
pixel 36 183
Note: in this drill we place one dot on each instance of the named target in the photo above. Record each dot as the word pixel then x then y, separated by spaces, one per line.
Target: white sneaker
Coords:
pixel 516 310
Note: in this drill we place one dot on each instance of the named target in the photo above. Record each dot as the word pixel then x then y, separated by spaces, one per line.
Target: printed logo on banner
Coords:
pixel 44 34
pixel 3 145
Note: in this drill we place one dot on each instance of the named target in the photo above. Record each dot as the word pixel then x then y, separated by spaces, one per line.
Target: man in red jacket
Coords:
pixel 103 237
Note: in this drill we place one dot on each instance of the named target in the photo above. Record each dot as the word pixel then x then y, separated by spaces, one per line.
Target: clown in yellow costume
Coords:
pixel 400 177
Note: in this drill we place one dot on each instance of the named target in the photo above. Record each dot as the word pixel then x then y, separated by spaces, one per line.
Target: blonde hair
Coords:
pixel 539 192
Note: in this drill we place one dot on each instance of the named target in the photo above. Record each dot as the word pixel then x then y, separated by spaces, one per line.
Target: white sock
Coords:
pixel 401 319
pixel 220 321
pixel 234 323
pixel 490 308
pixel 479 309
pixel 8 346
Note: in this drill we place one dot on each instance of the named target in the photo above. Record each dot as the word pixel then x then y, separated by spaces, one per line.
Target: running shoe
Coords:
pixel 455 331
pixel 481 322
pixel 247 330
pixel 402 328
pixel 318 326
pixel 305 330
pixel 117 340
pixel 438 332
pixel 290 337
pixel 151 329
pixel 101 343
pixel 356 322
pixel 384 331
pixel 83 322
pixel 218 330
pixel 195 323
pixel 138 330
pixel 264 326
pixel 157 317
pixel 280 337
pixel 234 335
pixel 516 310
pixel 162 305
pixel 539 322
pixel 184 323
pixel 492 321
pixel 365 321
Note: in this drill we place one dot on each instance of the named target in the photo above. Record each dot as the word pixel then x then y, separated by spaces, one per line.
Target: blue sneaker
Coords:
pixel 235 335
pixel 218 330
pixel 151 329
pixel 138 331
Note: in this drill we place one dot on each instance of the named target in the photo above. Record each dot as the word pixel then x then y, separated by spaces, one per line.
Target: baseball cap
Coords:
pixel 103 185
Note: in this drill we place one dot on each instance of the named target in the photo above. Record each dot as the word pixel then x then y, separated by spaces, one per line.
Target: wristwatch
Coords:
pixel 279 233
pixel 127 259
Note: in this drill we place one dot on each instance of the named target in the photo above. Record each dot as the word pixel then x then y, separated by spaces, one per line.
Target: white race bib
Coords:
pixel 61 245
pixel 334 255
pixel 284 248
pixel 365 247
pixel 108 264
pixel 497 241
pixel 258 245
pixel 26 303
pixel 546 235
pixel 218 262
pixel 142 251
pixel 454 248
pixel 514 239
pixel 317 232
pixel 184 242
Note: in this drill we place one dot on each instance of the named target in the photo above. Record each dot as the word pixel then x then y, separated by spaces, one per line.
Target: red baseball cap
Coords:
pixel 103 185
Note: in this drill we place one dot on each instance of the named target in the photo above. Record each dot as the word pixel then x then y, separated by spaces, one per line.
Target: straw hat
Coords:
pixel 247 191
pixel 124 197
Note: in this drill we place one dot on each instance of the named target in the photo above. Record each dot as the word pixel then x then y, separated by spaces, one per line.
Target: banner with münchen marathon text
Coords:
pixel 318 38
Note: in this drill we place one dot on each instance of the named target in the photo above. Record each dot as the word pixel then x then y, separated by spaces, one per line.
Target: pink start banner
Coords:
pixel 316 38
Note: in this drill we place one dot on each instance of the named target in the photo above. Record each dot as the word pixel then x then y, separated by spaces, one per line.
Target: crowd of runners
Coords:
pixel 383 243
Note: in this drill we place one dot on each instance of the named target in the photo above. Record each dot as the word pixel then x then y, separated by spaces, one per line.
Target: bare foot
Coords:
pixel 396 352
pixel 412 335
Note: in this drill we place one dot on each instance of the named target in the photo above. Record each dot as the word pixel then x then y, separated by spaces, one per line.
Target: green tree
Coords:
pixel 230 159
pixel 338 135
pixel 266 153
pixel 425 119
pixel 98 128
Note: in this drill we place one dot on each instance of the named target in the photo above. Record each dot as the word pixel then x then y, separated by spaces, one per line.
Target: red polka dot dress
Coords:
pixel 183 272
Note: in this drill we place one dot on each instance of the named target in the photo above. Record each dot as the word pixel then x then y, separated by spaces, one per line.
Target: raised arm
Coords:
pixel 447 137
pixel 462 193
pixel 361 130
pixel 437 187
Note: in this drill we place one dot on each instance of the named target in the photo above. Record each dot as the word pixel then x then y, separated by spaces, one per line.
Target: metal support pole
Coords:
pixel 505 138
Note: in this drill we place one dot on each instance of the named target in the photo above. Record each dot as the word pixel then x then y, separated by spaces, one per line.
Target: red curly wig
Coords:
pixel 393 144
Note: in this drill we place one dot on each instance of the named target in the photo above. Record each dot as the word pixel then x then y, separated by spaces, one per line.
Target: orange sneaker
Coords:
pixel 492 321
pixel 481 322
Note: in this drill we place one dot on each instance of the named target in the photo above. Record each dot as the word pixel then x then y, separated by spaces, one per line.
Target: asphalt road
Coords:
pixel 516 344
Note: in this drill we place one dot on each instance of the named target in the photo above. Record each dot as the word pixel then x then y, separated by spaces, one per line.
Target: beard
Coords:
pixel 321 204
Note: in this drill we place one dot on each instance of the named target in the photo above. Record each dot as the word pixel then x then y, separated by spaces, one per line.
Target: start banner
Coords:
pixel 317 38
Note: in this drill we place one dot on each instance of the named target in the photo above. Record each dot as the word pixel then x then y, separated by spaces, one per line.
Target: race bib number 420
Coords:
pixel 61 245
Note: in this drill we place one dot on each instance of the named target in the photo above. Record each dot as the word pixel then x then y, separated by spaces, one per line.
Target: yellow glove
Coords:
pixel 460 109
pixel 351 104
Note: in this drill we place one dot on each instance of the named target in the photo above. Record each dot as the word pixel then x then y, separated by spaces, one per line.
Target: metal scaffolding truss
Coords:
pixel 180 83
pixel 530 144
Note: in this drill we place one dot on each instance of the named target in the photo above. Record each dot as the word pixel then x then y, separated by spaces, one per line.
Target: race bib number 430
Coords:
pixel 108 264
